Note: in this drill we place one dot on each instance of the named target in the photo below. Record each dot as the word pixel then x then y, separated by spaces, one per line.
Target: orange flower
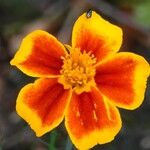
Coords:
pixel 85 82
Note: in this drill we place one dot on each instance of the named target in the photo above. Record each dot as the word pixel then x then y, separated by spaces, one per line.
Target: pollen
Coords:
pixel 78 70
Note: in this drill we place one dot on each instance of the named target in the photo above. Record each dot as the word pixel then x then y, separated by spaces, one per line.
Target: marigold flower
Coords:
pixel 83 83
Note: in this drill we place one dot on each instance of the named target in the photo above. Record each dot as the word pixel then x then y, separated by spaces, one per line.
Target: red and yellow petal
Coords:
pixel 43 104
pixel 39 55
pixel 123 79
pixel 96 35
pixel 90 119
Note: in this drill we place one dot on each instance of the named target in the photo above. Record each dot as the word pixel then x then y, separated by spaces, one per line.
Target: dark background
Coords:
pixel 19 17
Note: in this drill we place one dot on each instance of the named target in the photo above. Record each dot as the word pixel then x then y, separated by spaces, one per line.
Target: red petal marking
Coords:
pixel 90 42
pixel 116 78
pixel 47 99
pixel 89 114
pixel 39 55
pixel 96 35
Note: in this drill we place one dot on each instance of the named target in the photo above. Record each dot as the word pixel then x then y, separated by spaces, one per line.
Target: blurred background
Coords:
pixel 19 17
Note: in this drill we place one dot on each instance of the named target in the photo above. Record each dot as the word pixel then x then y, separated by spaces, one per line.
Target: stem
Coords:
pixel 52 139
pixel 68 144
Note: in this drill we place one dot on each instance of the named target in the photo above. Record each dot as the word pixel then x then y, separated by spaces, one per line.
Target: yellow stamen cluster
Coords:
pixel 78 70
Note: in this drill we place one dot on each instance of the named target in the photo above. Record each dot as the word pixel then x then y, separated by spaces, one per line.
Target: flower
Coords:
pixel 83 83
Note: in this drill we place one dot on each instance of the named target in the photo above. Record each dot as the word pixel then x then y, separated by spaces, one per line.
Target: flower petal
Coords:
pixel 39 55
pixel 90 120
pixel 42 104
pixel 122 79
pixel 96 35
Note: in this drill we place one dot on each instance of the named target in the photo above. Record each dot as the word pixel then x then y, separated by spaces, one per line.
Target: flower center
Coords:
pixel 78 70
